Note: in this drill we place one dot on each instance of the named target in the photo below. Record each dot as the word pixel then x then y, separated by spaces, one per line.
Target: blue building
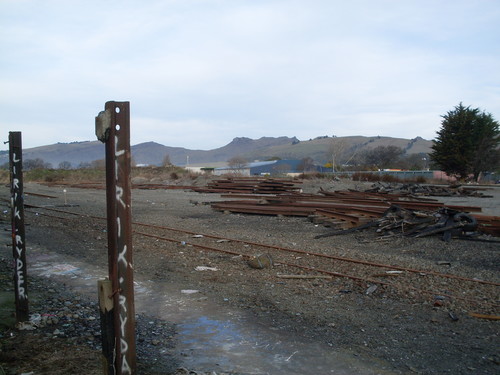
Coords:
pixel 267 168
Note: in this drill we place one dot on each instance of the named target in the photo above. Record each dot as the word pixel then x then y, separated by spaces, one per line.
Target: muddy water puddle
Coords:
pixel 211 335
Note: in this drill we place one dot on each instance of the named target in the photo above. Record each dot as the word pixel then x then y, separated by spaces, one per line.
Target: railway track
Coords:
pixel 413 285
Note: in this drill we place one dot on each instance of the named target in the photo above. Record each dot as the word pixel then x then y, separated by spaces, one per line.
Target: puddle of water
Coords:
pixel 240 351
pixel 48 269
pixel 233 342
pixel 213 337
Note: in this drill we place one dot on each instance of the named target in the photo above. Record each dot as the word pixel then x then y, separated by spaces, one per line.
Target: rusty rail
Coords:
pixel 399 288
pixel 337 274
pixel 298 251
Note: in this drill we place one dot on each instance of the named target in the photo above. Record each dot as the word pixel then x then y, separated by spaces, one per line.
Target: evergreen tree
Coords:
pixel 486 135
pixel 467 142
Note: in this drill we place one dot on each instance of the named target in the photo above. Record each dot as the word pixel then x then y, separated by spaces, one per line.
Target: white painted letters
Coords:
pixel 122 255
pixel 17 214
pixel 122 262
pixel 20 279
pixel 119 195
pixel 18 228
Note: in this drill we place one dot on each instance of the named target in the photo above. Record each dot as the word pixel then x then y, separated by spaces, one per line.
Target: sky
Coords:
pixel 198 73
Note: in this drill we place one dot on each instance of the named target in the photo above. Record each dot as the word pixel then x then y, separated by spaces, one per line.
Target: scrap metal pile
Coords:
pixel 249 185
pixel 418 190
pixel 346 211
pixel 397 221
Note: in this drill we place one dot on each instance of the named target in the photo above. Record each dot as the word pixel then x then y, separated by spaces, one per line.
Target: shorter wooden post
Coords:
pixel 107 325
pixel 18 234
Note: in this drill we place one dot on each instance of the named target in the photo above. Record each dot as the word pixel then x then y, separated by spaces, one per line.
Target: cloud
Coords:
pixel 237 68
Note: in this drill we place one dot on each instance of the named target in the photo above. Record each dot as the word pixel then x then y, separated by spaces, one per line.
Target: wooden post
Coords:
pixel 18 235
pixel 113 128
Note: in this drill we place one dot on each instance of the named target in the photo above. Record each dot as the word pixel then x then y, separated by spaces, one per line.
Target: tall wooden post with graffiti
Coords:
pixel 18 236
pixel 113 128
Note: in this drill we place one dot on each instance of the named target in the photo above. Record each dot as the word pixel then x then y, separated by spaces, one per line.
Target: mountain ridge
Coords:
pixel 153 153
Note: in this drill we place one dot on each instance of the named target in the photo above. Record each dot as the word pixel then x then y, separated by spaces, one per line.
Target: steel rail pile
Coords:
pixel 343 209
pixel 249 185
pixel 488 224
pixel 307 204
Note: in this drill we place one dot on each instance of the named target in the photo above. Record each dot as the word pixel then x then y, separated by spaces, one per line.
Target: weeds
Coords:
pixel 384 177
pixel 65 175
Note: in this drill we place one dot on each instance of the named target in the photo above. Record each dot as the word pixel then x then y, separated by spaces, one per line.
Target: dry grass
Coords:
pixel 151 174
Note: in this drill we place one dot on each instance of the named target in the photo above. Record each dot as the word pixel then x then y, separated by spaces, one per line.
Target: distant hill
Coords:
pixel 153 153
pixel 318 148
pixel 75 153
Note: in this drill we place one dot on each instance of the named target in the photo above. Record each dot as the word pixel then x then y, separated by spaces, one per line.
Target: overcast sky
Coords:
pixel 198 73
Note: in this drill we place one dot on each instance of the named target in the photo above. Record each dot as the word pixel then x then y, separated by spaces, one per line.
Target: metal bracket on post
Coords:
pixel 113 128
pixel 103 125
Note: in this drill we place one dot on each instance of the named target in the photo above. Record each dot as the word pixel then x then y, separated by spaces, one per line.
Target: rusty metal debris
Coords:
pixel 398 221
pixel 488 224
pixel 40 195
pixel 484 316
pixel 345 210
pixel 418 190
pixel 338 209
pixel 303 277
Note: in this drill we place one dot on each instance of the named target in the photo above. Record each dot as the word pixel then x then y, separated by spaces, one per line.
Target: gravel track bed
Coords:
pixel 414 332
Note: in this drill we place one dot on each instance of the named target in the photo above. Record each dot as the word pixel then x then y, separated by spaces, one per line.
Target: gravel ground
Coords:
pixel 65 325
pixel 409 332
